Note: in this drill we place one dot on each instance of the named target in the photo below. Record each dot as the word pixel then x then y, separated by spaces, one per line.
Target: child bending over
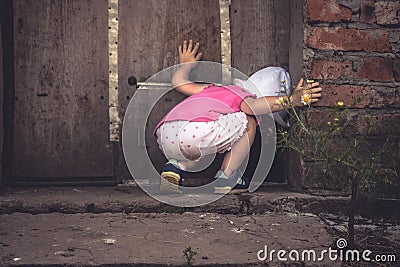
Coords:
pixel 214 119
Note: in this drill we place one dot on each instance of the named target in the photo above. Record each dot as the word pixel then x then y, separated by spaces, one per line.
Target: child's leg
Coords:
pixel 186 165
pixel 234 158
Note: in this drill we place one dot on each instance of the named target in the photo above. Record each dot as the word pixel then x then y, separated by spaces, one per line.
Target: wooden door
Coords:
pixel 60 116
pixel 149 34
pixel 59 124
pixel 151 30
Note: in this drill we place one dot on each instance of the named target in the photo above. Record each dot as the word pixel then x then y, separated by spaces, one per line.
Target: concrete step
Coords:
pixel 122 226
pixel 131 199
pixel 113 199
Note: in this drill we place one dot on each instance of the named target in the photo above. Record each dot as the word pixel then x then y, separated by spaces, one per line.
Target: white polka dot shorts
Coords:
pixel 190 141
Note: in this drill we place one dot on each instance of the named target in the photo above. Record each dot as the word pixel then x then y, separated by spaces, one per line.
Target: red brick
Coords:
pixel 348 39
pixel 378 124
pixel 376 69
pixel 327 11
pixel 387 12
pixel 356 96
pixel 361 122
pixel 396 69
pixel 325 119
pixel 367 14
pixel 329 69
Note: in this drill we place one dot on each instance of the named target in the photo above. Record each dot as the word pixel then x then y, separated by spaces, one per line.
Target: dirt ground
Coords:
pixel 153 238
pixel 112 227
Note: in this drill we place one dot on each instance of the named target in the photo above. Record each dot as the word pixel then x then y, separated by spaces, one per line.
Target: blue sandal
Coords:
pixel 171 178
pixel 236 183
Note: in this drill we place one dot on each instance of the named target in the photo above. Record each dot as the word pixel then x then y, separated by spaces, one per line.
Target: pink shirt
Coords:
pixel 208 104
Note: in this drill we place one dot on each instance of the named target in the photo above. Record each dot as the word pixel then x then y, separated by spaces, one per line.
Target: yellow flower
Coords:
pixel 329 123
pixel 280 101
pixel 283 81
pixel 336 119
pixel 306 99
pixel 340 103
pixel 310 81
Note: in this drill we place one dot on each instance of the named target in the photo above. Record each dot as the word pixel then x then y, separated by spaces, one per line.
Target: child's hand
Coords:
pixel 187 53
pixel 189 59
pixel 307 94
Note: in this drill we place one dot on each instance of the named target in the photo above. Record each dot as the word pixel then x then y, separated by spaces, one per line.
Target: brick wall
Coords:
pixel 353 48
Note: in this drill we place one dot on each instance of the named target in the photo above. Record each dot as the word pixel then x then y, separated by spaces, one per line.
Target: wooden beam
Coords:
pixel 7 100
pixel 293 164
pixel 296 40
pixel 1 97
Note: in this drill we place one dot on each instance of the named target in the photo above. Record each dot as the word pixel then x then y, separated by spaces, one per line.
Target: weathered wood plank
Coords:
pixel 293 164
pixel 296 40
pixel 61 107
pixel 150 32
pixel 260 33
pixel 1 96
pixel 8 93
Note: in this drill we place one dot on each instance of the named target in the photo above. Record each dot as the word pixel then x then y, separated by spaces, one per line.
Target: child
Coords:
pixel 268 82
pixel 214 119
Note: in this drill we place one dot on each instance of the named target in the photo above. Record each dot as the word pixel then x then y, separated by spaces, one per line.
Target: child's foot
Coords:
pixel 171 178
pixel 236 183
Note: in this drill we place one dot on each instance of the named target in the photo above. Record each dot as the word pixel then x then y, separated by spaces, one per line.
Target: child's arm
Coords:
pixel 263 105
pixel 188 60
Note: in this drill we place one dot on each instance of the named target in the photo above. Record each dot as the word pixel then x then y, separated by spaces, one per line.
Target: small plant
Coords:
pixel 339 149
pixel 189 254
